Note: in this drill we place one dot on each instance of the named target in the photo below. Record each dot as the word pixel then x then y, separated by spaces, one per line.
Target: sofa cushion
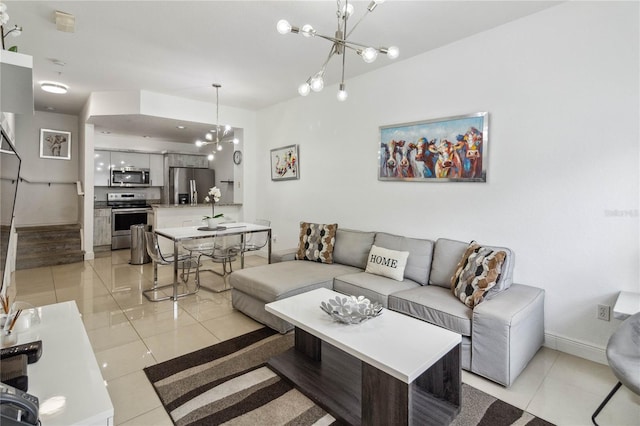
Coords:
pixel 388 263
pixel 316 242
pixel 352 247
pixel 447 254
pixel 281 280
pixel 478 271
pixel 420 253
pixel 435 305
pixel 374 287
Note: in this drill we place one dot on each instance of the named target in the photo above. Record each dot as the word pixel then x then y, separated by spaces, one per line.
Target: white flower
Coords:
pixel 206 199
pixel 215 194
pixel 4 18
pixel 3 7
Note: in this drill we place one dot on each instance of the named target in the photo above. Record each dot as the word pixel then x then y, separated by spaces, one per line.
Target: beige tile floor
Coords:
pixel 128 333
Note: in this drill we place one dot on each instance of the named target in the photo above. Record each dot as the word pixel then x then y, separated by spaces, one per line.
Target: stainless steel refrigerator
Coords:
pixel 188 185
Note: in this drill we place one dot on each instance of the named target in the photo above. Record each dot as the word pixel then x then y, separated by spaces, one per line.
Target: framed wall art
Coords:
pixel 449 149
pixel 55 144
pixel 285 163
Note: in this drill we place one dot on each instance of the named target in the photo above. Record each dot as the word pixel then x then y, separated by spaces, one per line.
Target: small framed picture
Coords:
pixel 55 144
pixel 285 163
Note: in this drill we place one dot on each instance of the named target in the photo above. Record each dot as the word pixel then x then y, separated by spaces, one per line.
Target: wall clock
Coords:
pixel 237 157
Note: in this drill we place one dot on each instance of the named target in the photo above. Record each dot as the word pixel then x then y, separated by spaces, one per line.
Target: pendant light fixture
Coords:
pixel 339 45
pixel 219 135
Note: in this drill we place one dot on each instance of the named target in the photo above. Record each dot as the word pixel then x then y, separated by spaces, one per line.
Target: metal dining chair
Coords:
pixel 254 241
pixel 185 262
pixel 218 250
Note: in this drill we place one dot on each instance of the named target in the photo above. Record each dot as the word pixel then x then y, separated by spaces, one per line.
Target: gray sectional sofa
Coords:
pixel 499 335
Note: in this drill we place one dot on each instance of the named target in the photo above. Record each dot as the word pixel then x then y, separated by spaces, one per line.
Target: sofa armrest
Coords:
pixel 283 255
pixel 506 332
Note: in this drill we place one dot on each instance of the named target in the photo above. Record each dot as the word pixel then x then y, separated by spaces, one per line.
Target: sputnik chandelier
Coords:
pixel 222 134
pixel 339 44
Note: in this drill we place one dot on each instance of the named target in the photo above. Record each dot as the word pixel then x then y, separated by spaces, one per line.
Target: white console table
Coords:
pixel 66 379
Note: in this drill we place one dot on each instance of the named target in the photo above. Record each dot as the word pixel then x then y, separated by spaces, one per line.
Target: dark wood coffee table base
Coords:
pixel 360 394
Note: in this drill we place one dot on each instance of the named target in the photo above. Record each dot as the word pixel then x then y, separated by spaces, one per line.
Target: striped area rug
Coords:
pixel 229 383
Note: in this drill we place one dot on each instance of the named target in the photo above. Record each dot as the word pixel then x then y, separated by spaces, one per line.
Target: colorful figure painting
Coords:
pixel 451 149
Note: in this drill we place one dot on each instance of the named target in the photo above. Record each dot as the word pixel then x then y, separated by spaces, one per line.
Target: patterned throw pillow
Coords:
pixel 477 272
pixel 317 242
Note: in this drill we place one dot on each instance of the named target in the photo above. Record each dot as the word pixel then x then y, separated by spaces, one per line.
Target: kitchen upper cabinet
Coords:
pixel 187 160
pixel 156 169
pixel 129 159
pixel 101 171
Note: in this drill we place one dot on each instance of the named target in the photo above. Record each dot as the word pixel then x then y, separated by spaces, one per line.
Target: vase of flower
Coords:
pixel 213 197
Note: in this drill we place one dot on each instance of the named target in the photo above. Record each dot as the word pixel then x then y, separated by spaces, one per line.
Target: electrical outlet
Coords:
pixel 603 312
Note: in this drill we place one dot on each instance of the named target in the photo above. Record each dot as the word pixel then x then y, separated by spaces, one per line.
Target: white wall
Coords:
pixel 40 203
pixel 561 88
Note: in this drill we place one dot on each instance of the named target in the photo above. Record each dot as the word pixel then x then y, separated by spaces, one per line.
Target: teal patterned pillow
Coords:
pixel 317 242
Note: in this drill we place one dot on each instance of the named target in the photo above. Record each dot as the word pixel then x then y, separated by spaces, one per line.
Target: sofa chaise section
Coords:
pixel 252 288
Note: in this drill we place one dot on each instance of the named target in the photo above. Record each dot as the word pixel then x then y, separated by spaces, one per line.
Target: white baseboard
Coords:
pixel 577 348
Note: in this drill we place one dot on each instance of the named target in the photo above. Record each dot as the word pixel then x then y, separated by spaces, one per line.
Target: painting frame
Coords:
pixel 451 149
pixel 285 163
pixel 55 144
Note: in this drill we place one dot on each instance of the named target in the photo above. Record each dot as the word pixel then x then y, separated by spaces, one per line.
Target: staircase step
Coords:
pixel 48 245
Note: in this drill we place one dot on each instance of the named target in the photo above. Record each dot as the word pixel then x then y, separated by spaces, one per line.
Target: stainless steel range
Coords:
pixel 127 208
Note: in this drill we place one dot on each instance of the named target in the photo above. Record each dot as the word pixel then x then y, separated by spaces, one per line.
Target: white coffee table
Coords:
pixel 392 369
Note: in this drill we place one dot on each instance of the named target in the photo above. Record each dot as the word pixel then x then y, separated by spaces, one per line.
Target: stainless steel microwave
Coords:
pixel 130 177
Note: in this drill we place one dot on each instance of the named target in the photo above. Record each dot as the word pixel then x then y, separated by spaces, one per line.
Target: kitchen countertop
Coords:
pixel 182 206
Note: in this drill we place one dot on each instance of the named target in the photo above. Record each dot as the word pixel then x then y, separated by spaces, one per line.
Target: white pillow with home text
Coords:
pixel 388 263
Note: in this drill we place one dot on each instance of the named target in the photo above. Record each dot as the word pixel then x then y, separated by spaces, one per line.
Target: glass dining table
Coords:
pixel 181 235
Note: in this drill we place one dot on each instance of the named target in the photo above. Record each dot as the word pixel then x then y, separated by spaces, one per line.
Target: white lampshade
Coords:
pixel 54 87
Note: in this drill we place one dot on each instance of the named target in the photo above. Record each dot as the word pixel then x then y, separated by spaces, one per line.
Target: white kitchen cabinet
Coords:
pixel 101 227
pixel 156 169
pixel 187 160
pixel 135 160
pixel 101 171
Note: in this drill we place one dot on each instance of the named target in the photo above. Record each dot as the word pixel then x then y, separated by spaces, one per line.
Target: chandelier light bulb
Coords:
pixel 219 148
pixel 304 89
pixel 208 137
pixel 369 54
pixel 393 52
pixel 342 94
pixel 283 26
pixel 307 30
pixel 227 128
pixel 236 141
pixel 347 10
pixel 210 157
pixel 199 143
pixel 317 83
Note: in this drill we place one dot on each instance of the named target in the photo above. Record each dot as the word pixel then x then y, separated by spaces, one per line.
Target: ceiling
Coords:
pixel 181 47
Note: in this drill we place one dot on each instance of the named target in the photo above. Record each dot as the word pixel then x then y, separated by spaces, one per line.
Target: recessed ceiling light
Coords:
pixel 54 87
pixel 180 127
